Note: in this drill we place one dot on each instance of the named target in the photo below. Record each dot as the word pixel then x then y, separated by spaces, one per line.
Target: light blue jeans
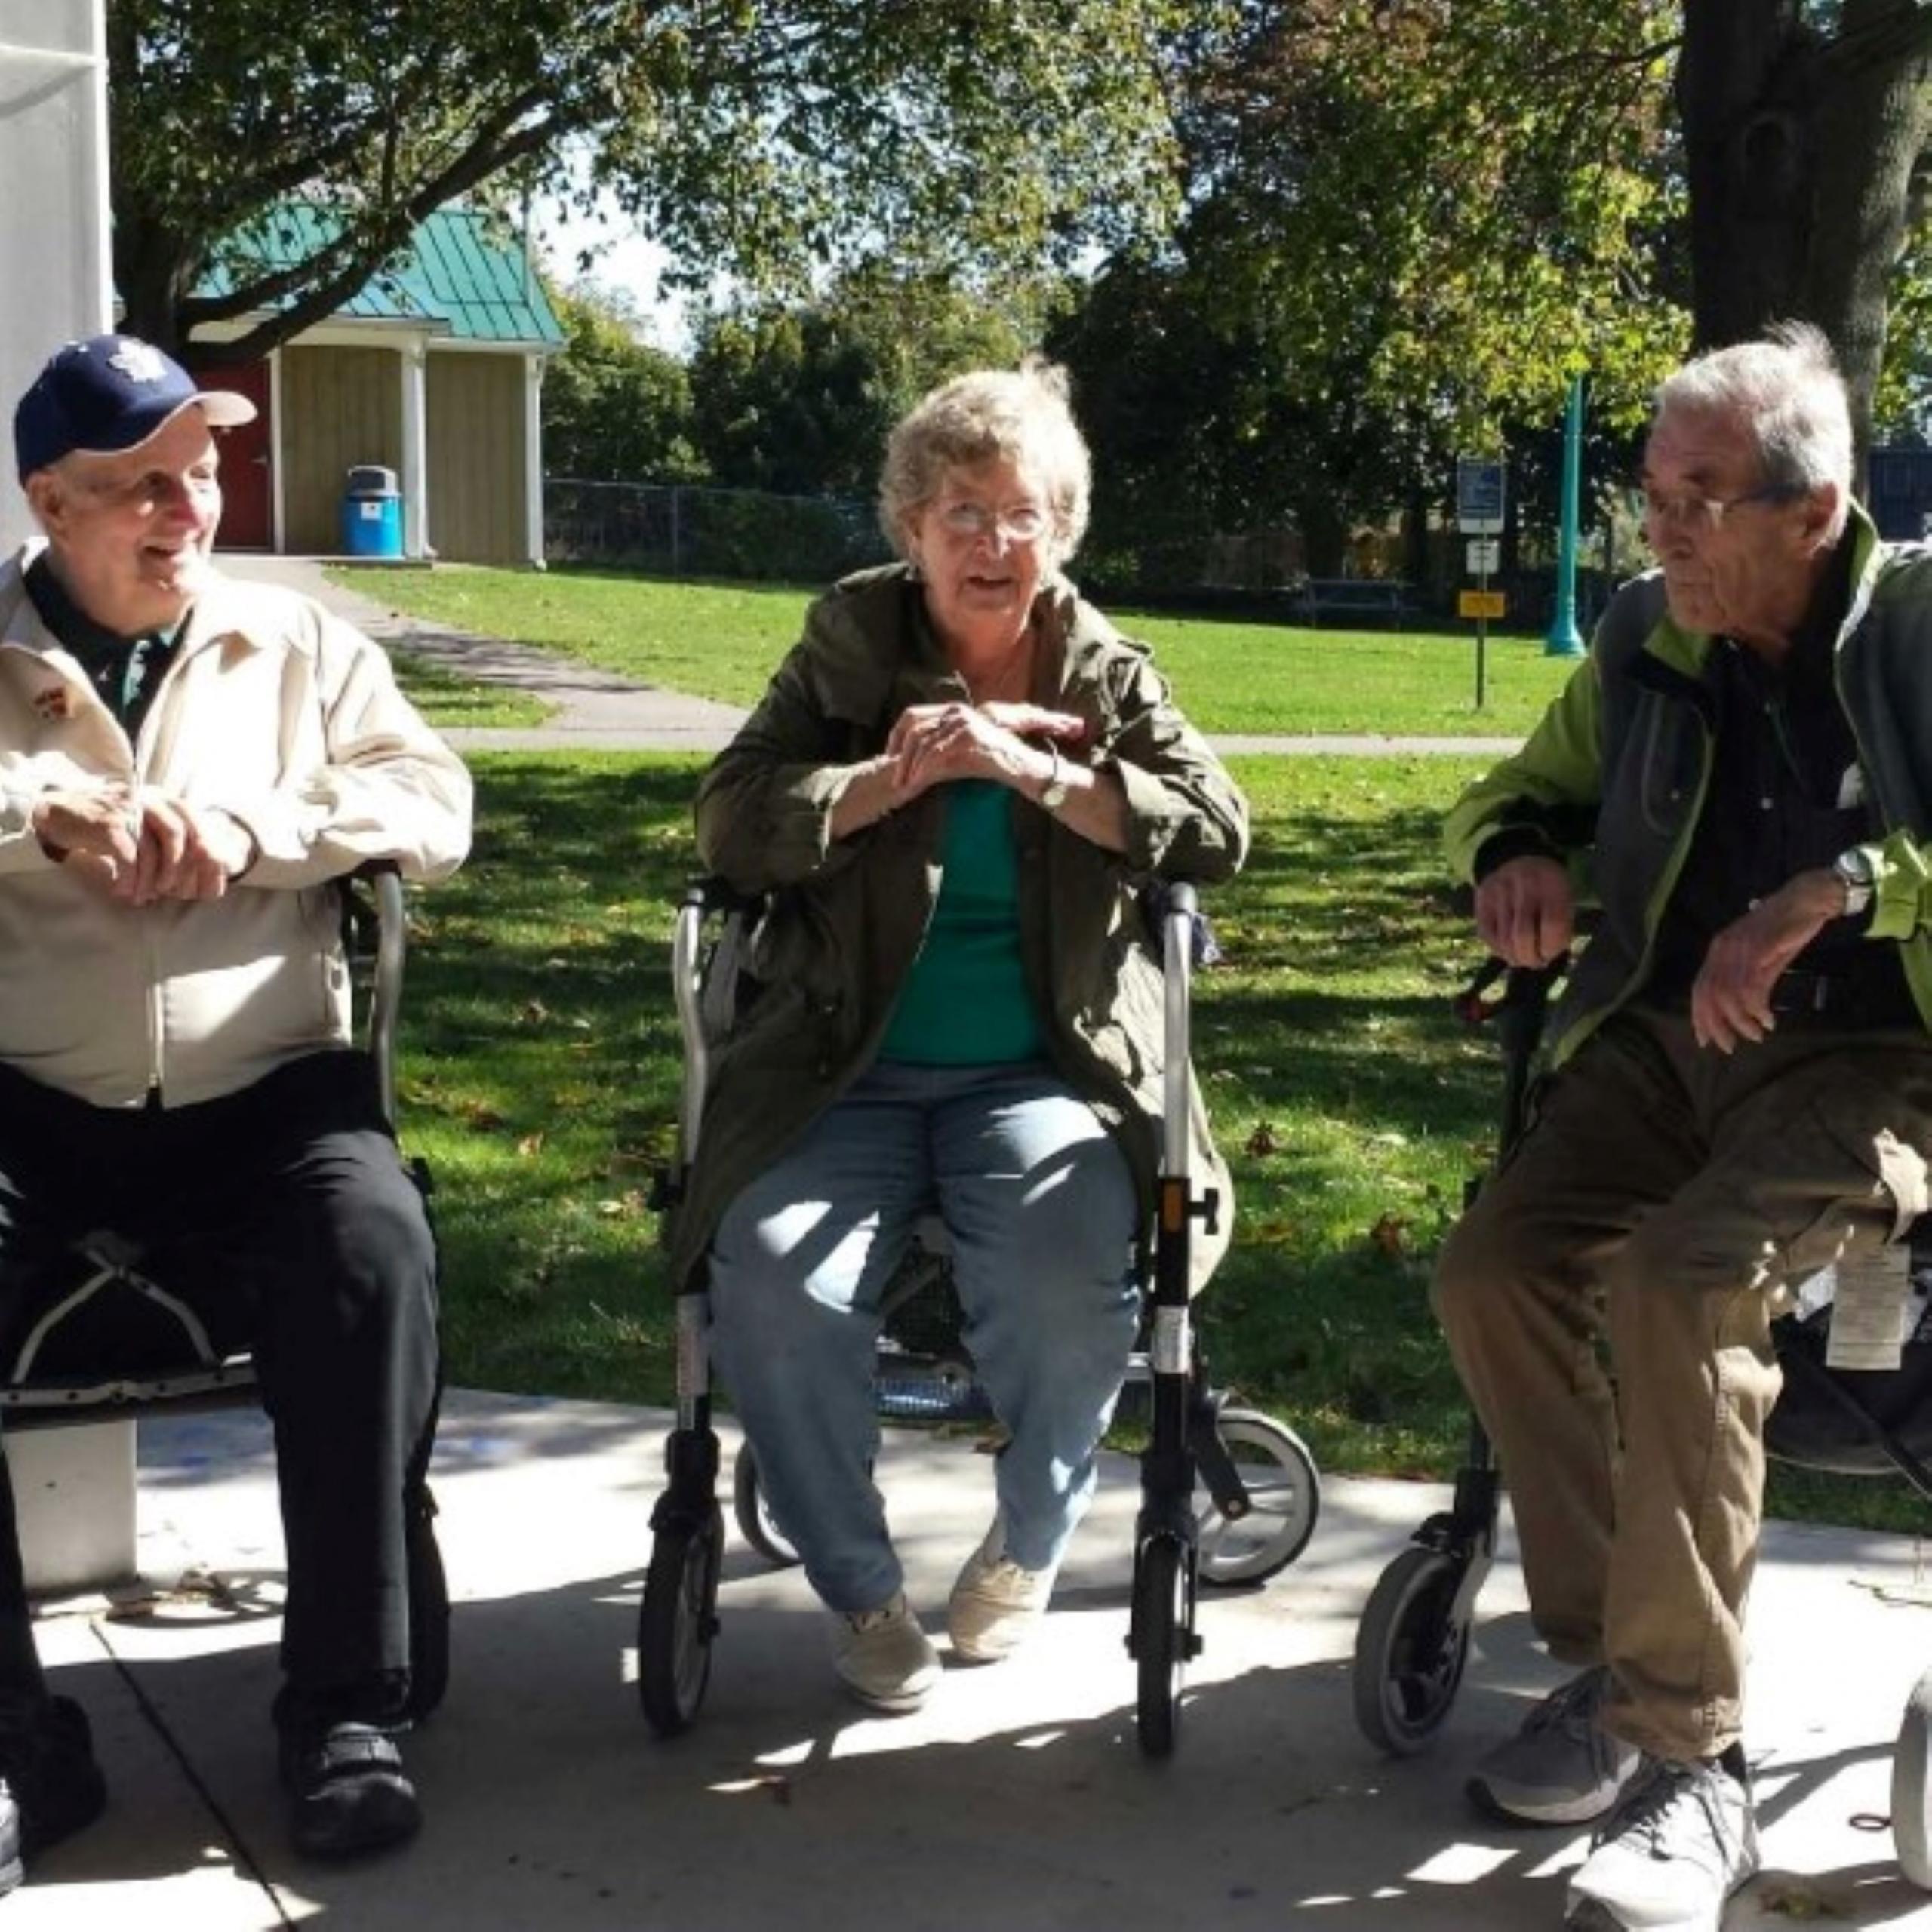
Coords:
pixel 1040 1205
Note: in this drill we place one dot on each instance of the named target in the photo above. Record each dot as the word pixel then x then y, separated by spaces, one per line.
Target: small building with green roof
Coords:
pixel 433 370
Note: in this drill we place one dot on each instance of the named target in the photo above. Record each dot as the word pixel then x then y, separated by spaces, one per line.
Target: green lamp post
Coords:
pixel 1564 640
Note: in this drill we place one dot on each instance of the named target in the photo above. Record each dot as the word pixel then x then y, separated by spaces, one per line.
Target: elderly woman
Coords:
pixel 951 790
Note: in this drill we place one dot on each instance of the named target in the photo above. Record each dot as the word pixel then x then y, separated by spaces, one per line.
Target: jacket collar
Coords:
pixel 870 670
pixel 226 608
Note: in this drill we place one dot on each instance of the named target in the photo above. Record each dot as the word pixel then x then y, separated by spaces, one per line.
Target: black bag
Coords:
pixel 1827 1418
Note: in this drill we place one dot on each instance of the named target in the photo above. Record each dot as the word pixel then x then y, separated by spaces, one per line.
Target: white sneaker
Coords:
pixel 1682 1841
pixel 883 1657
pixel 995 1603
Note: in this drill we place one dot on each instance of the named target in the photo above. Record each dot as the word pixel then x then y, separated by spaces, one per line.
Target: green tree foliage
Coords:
pixel 800 398
pixel 770 137
pixel 615 408
pixel 1408 225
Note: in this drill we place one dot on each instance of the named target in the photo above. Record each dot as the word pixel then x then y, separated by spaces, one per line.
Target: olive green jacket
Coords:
pixel 1616 773
pixel 846 919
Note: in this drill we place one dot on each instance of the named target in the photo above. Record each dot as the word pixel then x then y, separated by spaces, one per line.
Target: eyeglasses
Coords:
pixel 1025 523
pixel 1699 512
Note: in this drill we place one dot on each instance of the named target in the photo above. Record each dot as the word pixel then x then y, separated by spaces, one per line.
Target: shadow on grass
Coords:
pixel 540 1067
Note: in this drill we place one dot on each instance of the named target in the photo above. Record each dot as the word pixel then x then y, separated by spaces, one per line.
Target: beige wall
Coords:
pixel 339 407
pixel 478 499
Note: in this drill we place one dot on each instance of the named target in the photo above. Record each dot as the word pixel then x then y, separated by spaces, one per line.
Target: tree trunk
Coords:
pixel 1799 148
pixel 151 276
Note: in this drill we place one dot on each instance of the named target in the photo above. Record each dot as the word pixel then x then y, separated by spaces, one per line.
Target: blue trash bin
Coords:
pixel 371 512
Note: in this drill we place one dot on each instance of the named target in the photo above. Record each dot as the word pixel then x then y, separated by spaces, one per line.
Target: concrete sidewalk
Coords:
pixel 1017 1800
pixel 598 711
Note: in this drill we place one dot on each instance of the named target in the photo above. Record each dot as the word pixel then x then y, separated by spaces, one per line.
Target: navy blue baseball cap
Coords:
pixel 108 394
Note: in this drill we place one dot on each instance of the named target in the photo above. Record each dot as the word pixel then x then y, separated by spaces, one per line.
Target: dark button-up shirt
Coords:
pixel 1786 795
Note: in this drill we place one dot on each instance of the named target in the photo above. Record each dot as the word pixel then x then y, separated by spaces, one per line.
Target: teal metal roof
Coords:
pixel 465 276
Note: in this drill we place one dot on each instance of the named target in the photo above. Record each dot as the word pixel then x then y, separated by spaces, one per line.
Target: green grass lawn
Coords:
pixel 539 1061
pixel 721 640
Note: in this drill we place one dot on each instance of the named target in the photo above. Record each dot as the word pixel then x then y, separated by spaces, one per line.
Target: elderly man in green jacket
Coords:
pixel 1739 1082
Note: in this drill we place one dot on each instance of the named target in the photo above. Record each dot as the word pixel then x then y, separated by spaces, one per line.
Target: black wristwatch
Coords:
pixel 1859 876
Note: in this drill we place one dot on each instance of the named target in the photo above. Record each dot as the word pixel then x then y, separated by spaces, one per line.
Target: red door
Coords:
pixel 248 488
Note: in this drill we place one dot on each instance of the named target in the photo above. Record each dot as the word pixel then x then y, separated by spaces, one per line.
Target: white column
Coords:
pixel 533 457
pixel 53 205
pixel 415 451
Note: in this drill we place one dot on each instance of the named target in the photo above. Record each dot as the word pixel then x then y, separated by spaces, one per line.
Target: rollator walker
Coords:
pixel 1413 1643
pixel 1262 1493
pixel 107 1340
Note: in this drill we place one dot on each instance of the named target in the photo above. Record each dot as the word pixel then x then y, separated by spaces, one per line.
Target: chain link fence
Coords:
pixel 684 530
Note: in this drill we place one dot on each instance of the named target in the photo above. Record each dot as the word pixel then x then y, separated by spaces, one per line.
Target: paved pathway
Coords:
pixel 598 711
pixel 1017 1800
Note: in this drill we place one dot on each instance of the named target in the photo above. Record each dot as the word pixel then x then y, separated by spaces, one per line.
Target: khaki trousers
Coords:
pixel 1662 1192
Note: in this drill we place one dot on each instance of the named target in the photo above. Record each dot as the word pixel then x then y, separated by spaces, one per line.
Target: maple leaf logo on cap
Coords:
pixel 138 362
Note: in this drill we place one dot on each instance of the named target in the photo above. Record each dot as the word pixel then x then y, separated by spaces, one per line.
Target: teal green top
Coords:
pixel 966 1002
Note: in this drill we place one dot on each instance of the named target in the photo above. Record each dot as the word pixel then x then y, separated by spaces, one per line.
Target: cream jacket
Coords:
pixel 285 717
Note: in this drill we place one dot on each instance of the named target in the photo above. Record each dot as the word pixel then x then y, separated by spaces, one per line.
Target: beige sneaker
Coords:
pixel 995 1603
pixel 884 1657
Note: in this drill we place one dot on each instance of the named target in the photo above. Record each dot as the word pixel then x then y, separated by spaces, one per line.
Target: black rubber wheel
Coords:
pixel 756 1521
pixel 1163 1622
pixel 428 1609
pixel 1410 1651
pixel 677 1619
pixel 1284 1501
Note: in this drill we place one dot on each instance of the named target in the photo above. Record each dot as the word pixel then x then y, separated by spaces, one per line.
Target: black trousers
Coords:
pixel 284 1215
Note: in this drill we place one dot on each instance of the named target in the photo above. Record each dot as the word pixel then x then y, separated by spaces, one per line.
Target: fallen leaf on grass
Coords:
pixel 626 1204
pixel 1262 1141
pixel 530 1146
pixel 1391 1235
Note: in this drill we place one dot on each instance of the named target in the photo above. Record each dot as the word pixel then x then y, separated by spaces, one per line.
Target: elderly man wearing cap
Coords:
pixel 186 763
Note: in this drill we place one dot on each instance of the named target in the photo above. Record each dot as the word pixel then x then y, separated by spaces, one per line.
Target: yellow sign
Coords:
pixel 1491 604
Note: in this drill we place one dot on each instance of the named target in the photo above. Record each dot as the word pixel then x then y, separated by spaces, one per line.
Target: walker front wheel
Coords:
pixel 1162 1639
pixel 677 1621
pixel 1410 1649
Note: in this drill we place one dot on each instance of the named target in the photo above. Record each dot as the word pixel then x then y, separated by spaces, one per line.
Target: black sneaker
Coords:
pixel 50 1786
pixel 347 1792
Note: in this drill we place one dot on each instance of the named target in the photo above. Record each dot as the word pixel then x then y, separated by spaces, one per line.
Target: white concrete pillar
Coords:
pixel 415 480
pixel 54 204
pixel 533 456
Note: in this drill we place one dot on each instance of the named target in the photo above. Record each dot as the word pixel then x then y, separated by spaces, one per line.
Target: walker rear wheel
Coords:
pixel 1912 1787
pixel 1284 1498
pixel 756 1521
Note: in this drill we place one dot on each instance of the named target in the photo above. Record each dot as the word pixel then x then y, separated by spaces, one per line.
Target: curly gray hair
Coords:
pixel 1787 392
pixel 1019 415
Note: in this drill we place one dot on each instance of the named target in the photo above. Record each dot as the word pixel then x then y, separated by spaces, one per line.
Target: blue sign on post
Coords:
pixel 1479 488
